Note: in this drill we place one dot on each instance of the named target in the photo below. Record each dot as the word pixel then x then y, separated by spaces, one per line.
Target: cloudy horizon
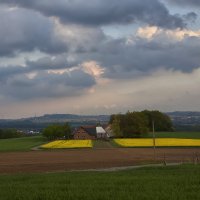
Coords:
pixel 95 57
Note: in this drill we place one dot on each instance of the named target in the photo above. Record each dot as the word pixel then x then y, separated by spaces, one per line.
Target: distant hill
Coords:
pixel 43 121
pixel 70 118
pixel 187 121
pixel 185 118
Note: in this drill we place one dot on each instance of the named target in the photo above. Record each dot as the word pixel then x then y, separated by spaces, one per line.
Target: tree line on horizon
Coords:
pixel 136 124
pixel 10 133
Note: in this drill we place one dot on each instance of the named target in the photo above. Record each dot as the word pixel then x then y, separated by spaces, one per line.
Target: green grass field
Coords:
pixel 189 135
pixel 21 144
pixel 159 183
pixel 102 144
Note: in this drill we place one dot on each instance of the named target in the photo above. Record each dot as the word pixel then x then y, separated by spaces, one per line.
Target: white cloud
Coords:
pixel 150 32
pixel 147 32
pixel 93 68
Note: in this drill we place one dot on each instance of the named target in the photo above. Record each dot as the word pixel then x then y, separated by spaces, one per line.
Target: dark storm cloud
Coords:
pixel 185 2
pixel 124 58
pixel 103 12
pixel 8 71
pixel 23 31
pixel 16 84
pixel 26 29
pixel 47 63
pixel 47 85
pixel 141 56
pixel 191 17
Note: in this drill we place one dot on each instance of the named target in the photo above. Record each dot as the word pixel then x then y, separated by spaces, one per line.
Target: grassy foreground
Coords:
pixel 21 144
pixel 178 182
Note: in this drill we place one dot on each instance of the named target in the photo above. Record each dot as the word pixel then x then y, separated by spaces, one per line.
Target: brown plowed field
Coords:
pixel 78 159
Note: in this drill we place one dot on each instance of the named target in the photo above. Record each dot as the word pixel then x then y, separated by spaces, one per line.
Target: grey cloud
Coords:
pixel 191 17
pixel 102 12
pixel 141 57
pixel 47 63
pixel 42 64
pixel 124 58
pixel 23 31
pixel 185 2
pixel 82 38
pixel 47 85
pixel 15 84
pixel 9 71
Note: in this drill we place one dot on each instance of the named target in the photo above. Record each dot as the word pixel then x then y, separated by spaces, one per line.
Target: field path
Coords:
pixel 81 159
pixel 102 144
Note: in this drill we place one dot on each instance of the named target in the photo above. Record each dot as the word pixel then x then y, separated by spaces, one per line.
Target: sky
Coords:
pixel 98 56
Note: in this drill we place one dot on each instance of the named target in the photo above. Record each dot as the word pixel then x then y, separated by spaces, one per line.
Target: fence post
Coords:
pixel 164 161
pixel 154 141
pixel 196 158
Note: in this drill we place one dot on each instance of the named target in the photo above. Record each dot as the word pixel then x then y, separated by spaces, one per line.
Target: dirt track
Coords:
pixel 48 161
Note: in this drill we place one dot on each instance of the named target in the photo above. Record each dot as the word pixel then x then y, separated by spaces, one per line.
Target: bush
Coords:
pixel 9 133
pixel 57 131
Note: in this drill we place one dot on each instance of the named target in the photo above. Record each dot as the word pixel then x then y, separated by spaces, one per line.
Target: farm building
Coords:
pixel 101 133
pixel 90 132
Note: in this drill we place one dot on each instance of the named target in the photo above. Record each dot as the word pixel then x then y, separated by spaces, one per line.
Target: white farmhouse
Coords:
pixel 101 133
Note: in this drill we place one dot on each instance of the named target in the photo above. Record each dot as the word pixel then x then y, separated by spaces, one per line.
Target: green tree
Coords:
pixel 67 130
pixel 116 126
pixel 49 132
pixel 162 122
pixel 132 124
pixel 10 133
pixel 135 124
pixel 57 131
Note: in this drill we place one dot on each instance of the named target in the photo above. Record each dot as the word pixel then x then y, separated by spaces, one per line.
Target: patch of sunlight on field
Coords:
pixel 64 144
pixel 160 142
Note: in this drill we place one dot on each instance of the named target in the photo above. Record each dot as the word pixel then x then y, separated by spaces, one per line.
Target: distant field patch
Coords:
pixel 186 135
pixel 160 142
pixel 21 144
pixel 65 144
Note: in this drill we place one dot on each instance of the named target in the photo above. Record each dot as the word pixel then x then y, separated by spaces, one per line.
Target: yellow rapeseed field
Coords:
pixel 63 144
pixel 160 142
